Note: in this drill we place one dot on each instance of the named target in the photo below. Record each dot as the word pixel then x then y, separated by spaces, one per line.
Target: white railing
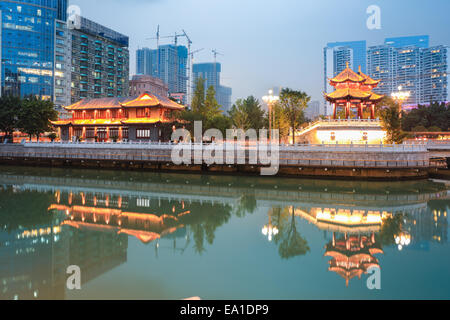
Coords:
pixel 339 122
pixel 230 145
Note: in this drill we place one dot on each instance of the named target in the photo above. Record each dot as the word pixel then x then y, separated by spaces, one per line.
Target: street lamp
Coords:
pixel 402 240
pixel 400 97
pixel 270 100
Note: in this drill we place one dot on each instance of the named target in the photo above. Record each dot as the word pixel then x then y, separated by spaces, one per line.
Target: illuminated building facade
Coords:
pixel 353 90
pixel 147 117
pixel 34 55
pixel 411 63
pixel 100 62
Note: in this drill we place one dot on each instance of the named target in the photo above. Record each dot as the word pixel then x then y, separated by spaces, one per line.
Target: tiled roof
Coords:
pixel 144 100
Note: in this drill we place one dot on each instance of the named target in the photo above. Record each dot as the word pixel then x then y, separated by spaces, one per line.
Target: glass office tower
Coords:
pixel 28 37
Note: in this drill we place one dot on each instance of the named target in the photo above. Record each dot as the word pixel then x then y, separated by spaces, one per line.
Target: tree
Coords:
pixel 9 111
pixel 291 243
pixel 248 114
pixel 293 104
pixel 35 116
pixel 211 108
pixel 391 122
pixel 198 100
pixel 435 115
pixel 280 121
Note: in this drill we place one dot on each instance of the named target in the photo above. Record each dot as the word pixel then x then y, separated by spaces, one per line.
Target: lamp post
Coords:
pixel 270 100
pixel 400 97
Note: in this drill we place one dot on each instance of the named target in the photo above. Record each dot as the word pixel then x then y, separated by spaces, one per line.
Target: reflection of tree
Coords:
pixel 203 222
pixel 25 208
pixel 247 204
pixel 290 242
pixel 391 226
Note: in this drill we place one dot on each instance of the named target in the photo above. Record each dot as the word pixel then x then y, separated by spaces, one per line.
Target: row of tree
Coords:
pixel 30 115
pixel 248 113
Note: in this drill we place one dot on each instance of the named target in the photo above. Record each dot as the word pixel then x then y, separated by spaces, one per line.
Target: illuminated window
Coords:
pixel 142 133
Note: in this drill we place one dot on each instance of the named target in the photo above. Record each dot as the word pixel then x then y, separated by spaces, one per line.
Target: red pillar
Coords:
pixel 372 111
pixel 334 110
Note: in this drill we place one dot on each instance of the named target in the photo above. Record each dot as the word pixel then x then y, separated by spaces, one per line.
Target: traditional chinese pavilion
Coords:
pixel 147 117
pixel 353 90
pixel 352 255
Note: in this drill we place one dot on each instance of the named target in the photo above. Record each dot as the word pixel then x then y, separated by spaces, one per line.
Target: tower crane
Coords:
pixel 215 53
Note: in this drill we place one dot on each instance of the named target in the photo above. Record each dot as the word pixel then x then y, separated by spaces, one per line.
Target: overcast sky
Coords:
pixel 268 43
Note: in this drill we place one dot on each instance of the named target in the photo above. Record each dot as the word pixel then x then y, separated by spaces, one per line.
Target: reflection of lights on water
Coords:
pixel 269 231
pixel 402 240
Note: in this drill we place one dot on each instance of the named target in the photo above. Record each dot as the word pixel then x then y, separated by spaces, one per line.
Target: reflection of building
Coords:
pixel 132 118
pixel 352 255
pixel 345 219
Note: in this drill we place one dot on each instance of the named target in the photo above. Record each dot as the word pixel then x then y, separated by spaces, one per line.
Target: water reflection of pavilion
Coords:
pixel 352 255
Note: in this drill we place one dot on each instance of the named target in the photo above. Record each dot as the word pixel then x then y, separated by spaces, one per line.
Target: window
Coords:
pixel 143 133
pixel 333 136
pixel 365 137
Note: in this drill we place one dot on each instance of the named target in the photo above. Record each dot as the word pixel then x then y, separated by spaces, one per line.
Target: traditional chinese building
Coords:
pixel 353 93
pixel 147 117
pixel 352 255
pixel 353 90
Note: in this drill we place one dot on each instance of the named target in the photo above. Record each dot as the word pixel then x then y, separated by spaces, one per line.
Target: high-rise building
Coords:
pixel 144 83
pixel 100 62
pixel 409 63
pixel 336 57
pixel 434 66
pixel 34 55
pixel 168 63
pixel 415 41
pixel 210 72
pixel 313 110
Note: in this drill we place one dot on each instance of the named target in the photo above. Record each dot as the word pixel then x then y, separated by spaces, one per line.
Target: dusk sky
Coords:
pixel 268 43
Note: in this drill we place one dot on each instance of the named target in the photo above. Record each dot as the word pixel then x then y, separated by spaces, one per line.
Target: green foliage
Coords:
pixel 391 122
pixel 220 122
pixel 211 108
pixel 435 115
pixel 293 104
pixel 280 121
pixel 419 129
pixel 198 100
pixel 9 111
pixel 247 114
pixel 30 115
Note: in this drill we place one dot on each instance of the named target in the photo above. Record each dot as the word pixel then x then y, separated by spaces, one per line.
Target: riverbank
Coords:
pixel 356 162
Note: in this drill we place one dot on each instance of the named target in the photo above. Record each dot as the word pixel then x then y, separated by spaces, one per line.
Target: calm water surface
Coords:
pixel 141 235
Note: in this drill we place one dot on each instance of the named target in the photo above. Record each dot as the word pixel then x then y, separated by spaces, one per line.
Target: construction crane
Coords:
pixel 216 53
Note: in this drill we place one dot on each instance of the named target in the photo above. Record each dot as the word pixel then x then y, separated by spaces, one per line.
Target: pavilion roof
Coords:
pixel 367 79
pixel 144 100
pixel 348 93
pixel 152 100
pixel 347 75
